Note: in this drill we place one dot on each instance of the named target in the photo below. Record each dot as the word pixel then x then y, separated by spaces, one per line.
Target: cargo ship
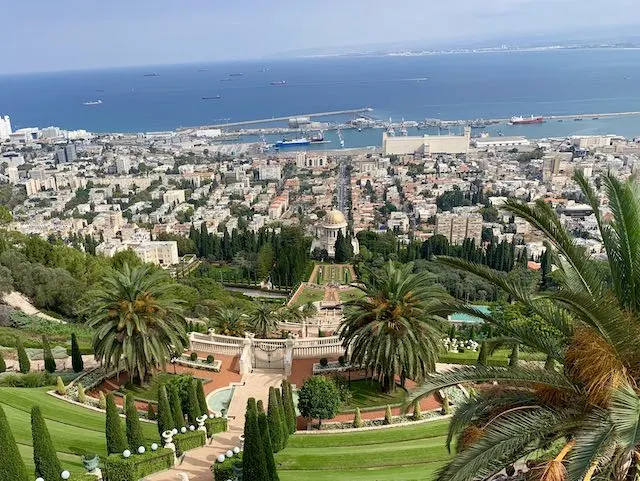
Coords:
pixel 92 102
pixel 213 97
pixel 526 120
pixel 288 142
pixel 279 82
pixel 318 138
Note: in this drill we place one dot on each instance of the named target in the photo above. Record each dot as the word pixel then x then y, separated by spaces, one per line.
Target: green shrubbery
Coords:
pixel 116 438
pixel 119 468
pixel 32 379
pixel 23 358
pixel 13 467
pixel 76 355
pixel 45 457
pixel 215 425
pixel 135 438
pixel 189 440
pixel 224 470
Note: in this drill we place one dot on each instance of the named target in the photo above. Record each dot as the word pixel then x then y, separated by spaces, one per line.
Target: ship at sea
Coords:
pixel 526 120
pixel 236 74
pixel 213 97
pixel 152 74
pixel 92 102
pixel 318 138
pixel 289 142
pixel 279 82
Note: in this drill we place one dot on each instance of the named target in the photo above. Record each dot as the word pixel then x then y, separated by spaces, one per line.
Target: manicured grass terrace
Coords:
pixel 74 430
pixel 408 452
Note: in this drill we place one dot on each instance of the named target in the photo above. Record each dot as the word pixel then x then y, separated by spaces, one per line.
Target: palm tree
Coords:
pixel 262 320
pixel 228 321
pixel 591 407
pixel 136 317
pixel 393 330
pixel 309 310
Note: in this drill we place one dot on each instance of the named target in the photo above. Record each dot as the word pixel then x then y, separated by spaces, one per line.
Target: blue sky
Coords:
pixel 42 35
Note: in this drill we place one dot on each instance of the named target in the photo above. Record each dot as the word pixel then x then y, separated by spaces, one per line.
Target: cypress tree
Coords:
pixel 357 419
pixel 340 247
pixel 289 415
pixel 3 365
pixel 482 355
pixel 417 414
pixel 82 397
pixel 60 387
pixel 388 418
pixel 202 400
pixel 49 361
pixel 513 357
pixel 116 439
pixel 176 407
pixel 283 421
pixel 134 430
pixel 193 407
pixel 274 421
pixel 76 355
pixel 165 420
pixel 263 426
pixel 102 401
pixel 151 412
pixel 13 467
pixel 254 464
pixel 45 457
pixel 294 416
pixel 23 359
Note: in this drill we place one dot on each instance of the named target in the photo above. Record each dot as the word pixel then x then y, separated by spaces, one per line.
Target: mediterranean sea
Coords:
pixel 448 87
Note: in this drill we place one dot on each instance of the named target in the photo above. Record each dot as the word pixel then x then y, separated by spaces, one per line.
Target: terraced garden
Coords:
pixel 74 430
pixel 408 452
pixel 332 273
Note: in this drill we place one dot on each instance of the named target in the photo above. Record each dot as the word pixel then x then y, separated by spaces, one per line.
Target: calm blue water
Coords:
pixel 458 87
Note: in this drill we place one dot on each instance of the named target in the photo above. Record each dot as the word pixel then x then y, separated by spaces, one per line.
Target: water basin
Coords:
pixel 219 401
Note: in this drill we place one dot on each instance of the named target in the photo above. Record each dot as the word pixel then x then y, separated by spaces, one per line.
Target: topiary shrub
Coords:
pixel 45 458
pixel 417 414
pixel 60 387
pixel 202 399
pixel 151 413
pixel 224 470
pixel 23 358
pixel 13 467
pixel 210 359
pixel 176 407
pixel 102 401
pixel 274 421
pixel 193 356
pixel 193 407
pixel 49 361
pixel 3 365
pixel 357 419
pixel 82 397
pixel 119 468
pixel 215 425
pixel 76 355
pixel 116 438
pixel 134 430
pixel 342 361
pixel 324 362
pixel 165 420
pixel 446 408
pixel 388 417
pixel 189 440
pixel 284 425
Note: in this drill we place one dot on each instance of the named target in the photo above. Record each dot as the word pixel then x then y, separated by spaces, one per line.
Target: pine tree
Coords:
pixel 49 361
pixel 193 407
pixel 13 467
pixel 76 355
pixel 3 365
pixel 263 426
pixel 284 425
pixel 116 439
pixel 45 457
pixel 165 419
pixel 275 423
pixel 23 359
pixel 134 430
pixel 254 464
pixel 357 419
pixel 176 407
pixel 288 408
pixel 202 400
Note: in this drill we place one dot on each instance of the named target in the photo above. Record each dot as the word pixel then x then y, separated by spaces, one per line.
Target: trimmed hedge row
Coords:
pixel 224 470
pixel 471 362
pixel 189 440
pixel 119 468
pixel 215 425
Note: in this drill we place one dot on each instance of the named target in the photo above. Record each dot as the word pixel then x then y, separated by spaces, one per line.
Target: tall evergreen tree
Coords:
pixel 202 400
pixel 45 458
pixel 263 426
pixel 13 468
pixel 193 406
pixel 135 437
pixel 76 355
pixel 49 361
pixel 284 425
pixel 3 364
pixel 275 423
pixel 165 419
pixel 341 250
pixel 176 407
pixel 289 412
pixel 24 363
pixel 116 439
pixel 254 464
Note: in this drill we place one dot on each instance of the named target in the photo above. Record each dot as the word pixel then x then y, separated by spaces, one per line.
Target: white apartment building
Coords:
pixel 456 228
pixel 5 127
pixel 173 197
pixel 398 221
pixel 270 172
pixel 123 165
pixel 161 253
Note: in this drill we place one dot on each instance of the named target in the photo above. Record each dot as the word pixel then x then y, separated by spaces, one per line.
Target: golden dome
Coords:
pixel 334 217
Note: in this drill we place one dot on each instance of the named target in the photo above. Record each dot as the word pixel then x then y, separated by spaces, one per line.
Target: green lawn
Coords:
pixel 404 452
pixel 350 295
pixel 307 295
pixel 332 273
pixel 366 393
pixel 74 430
pixel 500 357
pixel 149 391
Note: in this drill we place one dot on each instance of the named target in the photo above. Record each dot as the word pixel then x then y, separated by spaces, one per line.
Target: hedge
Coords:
pixel 119 468
pixel 216 425
pixel 224 470
pixel 189 440
pixel 471 362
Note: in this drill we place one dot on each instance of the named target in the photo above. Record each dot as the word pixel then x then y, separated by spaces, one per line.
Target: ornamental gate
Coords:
pixel 268 355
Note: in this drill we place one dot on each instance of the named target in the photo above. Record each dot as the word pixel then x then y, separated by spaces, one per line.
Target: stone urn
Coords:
pixel 90 462
pixel 237 470
pixel 167 437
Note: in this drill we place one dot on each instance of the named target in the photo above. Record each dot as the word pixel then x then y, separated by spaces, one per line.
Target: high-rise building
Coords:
pixel 14 176
pixel 456 228
pixel 66 154
pixel 123 165
pixel 5 127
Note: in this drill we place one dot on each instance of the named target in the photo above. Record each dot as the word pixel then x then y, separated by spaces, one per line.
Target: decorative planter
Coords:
pixel 90 464
pixel 167 436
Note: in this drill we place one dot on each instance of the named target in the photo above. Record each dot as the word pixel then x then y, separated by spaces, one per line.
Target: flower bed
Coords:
pixel 332 366
pixel 119 468
pixel 367 423
pixel 200 364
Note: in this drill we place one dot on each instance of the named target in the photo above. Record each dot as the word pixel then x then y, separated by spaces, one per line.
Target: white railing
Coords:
pixel 317 347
